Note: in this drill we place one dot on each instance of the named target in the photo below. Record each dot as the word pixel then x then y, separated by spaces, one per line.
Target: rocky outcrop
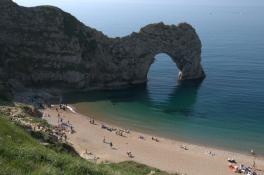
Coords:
pixel 5 91
pixel 44 46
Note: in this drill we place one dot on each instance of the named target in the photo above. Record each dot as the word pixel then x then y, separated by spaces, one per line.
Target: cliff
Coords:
pixel 44 46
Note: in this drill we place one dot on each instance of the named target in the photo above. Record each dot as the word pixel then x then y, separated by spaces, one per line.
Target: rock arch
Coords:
pixel 180 43
pixel 46 46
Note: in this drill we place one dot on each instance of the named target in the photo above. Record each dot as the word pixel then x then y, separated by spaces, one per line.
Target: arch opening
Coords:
pixel 162 77
pixel 162 64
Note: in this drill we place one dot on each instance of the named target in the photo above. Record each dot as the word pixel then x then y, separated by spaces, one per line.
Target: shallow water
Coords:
pixel 225 110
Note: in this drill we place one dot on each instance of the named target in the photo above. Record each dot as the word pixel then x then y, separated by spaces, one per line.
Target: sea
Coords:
pixel 225 110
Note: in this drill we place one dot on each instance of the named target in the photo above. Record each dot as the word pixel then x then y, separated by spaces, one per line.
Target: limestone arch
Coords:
pixel 180 43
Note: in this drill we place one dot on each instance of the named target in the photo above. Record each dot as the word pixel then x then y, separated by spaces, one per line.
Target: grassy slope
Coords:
pixel 21 154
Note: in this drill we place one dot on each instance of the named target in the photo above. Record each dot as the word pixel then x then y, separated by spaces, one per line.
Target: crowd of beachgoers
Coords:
pixel 65 127
pixel 241 168
pixel 68 124
pixel 231 163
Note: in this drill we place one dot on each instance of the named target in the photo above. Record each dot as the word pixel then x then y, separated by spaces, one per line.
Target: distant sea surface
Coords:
pixel 225 110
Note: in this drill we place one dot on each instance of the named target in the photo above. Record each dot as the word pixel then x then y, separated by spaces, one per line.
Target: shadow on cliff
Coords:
pixel 180 100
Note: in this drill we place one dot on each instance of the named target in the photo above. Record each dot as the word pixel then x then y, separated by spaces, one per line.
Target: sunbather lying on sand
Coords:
pixel 184 147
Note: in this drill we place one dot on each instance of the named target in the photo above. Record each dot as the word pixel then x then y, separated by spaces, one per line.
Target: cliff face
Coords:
pixel 46 46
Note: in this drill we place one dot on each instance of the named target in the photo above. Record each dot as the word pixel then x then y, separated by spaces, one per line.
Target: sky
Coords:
pixel 178 2
pixel 120 17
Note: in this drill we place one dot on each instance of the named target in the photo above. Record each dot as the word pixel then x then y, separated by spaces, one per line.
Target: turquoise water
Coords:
pixel 225 110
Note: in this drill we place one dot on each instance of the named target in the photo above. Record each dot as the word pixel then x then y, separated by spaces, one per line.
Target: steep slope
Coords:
pixel 21 154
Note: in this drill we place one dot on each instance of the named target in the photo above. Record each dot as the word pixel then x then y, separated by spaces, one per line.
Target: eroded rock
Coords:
pixel 44 46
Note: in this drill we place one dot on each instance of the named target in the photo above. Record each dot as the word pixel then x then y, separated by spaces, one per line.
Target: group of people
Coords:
pixel 242 169
pixel 65 125
pixel 62 127
pixel 63 106
pixel 120 132
pixel 90 156
pixel 155 139
pixel 108 128
pixel 210 153
pixel 152 138
pixel 110 143
pixel 129 154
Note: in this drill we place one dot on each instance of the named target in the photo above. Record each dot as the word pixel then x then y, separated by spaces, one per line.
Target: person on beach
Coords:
pixel 129 154
pixel 253 152
pixel 111 144
pixel 141 137
pixel 254 165
pixel 185 148
pixel 92 120
pixel 43 115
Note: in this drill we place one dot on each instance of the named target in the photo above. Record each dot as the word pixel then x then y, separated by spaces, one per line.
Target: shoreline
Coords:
pixel 168 154
pixel 98 117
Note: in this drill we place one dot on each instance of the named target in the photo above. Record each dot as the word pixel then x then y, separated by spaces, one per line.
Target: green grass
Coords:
pixel 20 154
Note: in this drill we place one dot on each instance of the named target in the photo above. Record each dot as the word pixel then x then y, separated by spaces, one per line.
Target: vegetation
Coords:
pixel 22 153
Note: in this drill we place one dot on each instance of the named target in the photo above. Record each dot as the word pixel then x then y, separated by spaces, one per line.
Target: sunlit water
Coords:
pixel 225 110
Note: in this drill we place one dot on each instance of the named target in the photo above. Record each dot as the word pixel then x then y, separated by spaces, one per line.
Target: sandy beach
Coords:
pixel 165 154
